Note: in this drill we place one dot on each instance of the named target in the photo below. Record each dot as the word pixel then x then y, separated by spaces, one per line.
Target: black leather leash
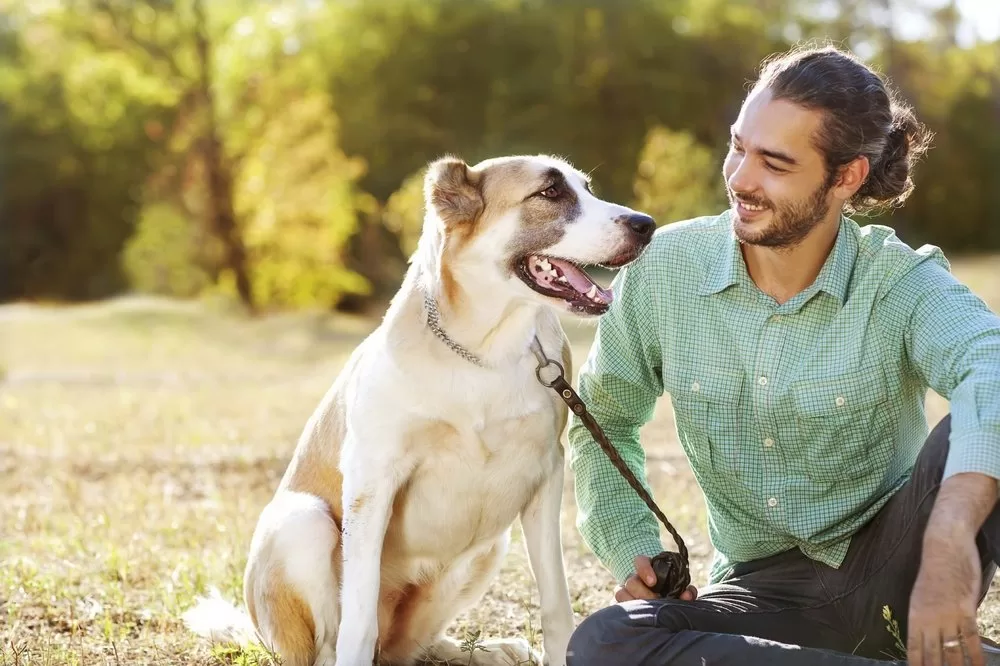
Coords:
pixel 673 571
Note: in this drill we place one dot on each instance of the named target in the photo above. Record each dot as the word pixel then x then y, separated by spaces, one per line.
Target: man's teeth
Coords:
pixel 751 206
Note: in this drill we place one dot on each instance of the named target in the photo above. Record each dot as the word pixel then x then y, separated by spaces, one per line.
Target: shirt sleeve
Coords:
pixel 953 339
pixel 619 382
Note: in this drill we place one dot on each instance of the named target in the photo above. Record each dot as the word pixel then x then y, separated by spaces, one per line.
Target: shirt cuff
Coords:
pixel 622 562
pixel 974 452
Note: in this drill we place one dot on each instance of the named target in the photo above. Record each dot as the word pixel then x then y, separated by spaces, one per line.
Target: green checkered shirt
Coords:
pixel 799 420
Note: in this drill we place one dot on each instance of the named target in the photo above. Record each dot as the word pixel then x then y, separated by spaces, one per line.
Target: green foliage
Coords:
pixel 296 197
pixel 328 112
pixel 77 148
pixel 404 212
pixel 294 190
pixel 165 255
pixel 677 178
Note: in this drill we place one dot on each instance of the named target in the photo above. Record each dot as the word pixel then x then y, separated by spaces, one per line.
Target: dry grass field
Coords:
pixel 140 438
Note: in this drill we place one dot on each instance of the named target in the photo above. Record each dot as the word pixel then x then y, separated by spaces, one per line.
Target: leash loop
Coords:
pixel 559 373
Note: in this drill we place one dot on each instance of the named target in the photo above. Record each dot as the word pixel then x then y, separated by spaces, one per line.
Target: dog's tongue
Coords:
pixel 579 279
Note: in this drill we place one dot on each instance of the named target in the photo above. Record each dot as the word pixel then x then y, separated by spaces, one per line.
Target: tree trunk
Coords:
pixel 221 214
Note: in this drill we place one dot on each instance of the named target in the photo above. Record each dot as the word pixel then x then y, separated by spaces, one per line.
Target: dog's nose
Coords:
pixel 641 225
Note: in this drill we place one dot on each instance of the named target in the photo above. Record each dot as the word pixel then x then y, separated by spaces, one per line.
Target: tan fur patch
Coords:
pixel 398 609
pixel 295 635
pixel 359 502
pixel 452 188
pixel 314 469
pixel 449 285
pixel 291 630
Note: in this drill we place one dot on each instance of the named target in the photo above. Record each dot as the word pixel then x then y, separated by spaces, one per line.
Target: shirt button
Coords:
pixel 768 442
pixel 772 502
pixel 696 387
pixel 840 401
pixel 762 381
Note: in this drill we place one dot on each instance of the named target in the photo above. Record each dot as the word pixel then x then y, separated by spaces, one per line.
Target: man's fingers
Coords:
pixel 690 594
pixel 638 589
pixel 621 594
pixel 973 646
pixel 953 650
pixel 644 570
pixel 914 648
pixel 932 649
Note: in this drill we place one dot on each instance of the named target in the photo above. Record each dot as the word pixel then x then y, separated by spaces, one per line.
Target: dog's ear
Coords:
pixel 454 191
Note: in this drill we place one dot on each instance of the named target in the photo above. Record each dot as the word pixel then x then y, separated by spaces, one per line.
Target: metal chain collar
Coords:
pixel 434 323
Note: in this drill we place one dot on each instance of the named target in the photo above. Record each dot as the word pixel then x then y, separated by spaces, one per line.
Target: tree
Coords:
pixel 677 178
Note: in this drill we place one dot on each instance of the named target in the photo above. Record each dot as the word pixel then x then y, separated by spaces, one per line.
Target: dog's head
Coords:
pixel 525 227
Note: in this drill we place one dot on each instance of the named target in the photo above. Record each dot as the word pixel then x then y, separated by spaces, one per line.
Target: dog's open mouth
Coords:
pixel 560 278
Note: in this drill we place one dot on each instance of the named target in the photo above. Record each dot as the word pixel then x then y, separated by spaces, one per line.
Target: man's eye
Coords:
pixel 775 168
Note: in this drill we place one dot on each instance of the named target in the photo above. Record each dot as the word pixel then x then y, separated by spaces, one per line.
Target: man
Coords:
pixel 797 349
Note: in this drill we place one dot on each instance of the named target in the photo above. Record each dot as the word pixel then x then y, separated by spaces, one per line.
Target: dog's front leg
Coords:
pixel 543 540
pixel 370 484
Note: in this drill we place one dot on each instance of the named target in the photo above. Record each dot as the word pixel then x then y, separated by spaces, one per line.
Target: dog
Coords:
pixel 396 509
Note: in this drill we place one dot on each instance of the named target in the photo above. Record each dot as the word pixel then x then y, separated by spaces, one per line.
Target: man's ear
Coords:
pixel 452 189
pixel 852 177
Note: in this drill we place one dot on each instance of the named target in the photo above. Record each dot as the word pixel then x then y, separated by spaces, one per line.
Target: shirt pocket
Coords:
pixel 839 421
pixel 707 410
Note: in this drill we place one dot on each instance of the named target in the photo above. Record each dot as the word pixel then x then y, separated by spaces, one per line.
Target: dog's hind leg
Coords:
pixel 290 584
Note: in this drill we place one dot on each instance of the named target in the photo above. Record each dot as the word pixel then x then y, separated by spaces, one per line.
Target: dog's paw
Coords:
pixel 519 652
pixel 506 652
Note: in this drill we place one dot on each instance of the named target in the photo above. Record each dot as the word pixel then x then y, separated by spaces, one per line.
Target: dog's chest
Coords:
pixel 475 471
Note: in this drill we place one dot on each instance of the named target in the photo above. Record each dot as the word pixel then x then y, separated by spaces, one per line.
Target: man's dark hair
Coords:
pixel 863 116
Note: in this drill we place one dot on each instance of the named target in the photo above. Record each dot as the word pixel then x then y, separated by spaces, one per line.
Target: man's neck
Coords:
pixel 781 273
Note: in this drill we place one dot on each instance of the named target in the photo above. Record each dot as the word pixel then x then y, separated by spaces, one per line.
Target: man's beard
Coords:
pixel 790 222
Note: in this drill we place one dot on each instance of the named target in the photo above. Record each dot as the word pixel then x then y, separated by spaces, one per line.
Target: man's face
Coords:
pixel 775 176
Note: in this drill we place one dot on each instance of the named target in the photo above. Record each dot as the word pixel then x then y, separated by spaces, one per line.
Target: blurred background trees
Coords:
pixel 272 150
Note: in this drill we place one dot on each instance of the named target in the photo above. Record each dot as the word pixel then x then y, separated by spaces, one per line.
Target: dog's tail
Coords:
pixel 220 621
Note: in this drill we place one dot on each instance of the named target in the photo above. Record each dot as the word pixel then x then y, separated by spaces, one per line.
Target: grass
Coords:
pixel 139 439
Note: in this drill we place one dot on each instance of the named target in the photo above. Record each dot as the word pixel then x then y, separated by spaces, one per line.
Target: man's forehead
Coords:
pixel 777 124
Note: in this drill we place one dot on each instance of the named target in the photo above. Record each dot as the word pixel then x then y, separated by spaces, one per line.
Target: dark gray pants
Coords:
pixel 788 610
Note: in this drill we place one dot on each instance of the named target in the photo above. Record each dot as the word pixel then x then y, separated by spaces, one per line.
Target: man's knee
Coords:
pixel 606 635
pixel 595 637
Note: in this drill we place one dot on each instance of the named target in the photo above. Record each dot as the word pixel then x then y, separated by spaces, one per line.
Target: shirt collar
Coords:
pixel 834 278
pixel 724 271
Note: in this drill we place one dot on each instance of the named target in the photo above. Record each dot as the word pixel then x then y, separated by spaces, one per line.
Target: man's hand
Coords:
pixel 636 586
pixel 942 615
pixel 942 618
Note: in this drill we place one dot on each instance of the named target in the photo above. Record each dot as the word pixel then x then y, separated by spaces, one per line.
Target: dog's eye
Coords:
pixel 551 192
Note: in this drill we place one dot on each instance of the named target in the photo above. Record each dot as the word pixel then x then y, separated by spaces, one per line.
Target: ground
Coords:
pixel 139 439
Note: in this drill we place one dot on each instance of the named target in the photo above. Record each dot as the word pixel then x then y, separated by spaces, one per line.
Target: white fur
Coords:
pixel 438 458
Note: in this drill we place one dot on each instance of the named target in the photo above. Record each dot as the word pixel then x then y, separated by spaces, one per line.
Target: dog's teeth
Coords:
pixel 592 294
pixel 561 279
pixel 544 263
